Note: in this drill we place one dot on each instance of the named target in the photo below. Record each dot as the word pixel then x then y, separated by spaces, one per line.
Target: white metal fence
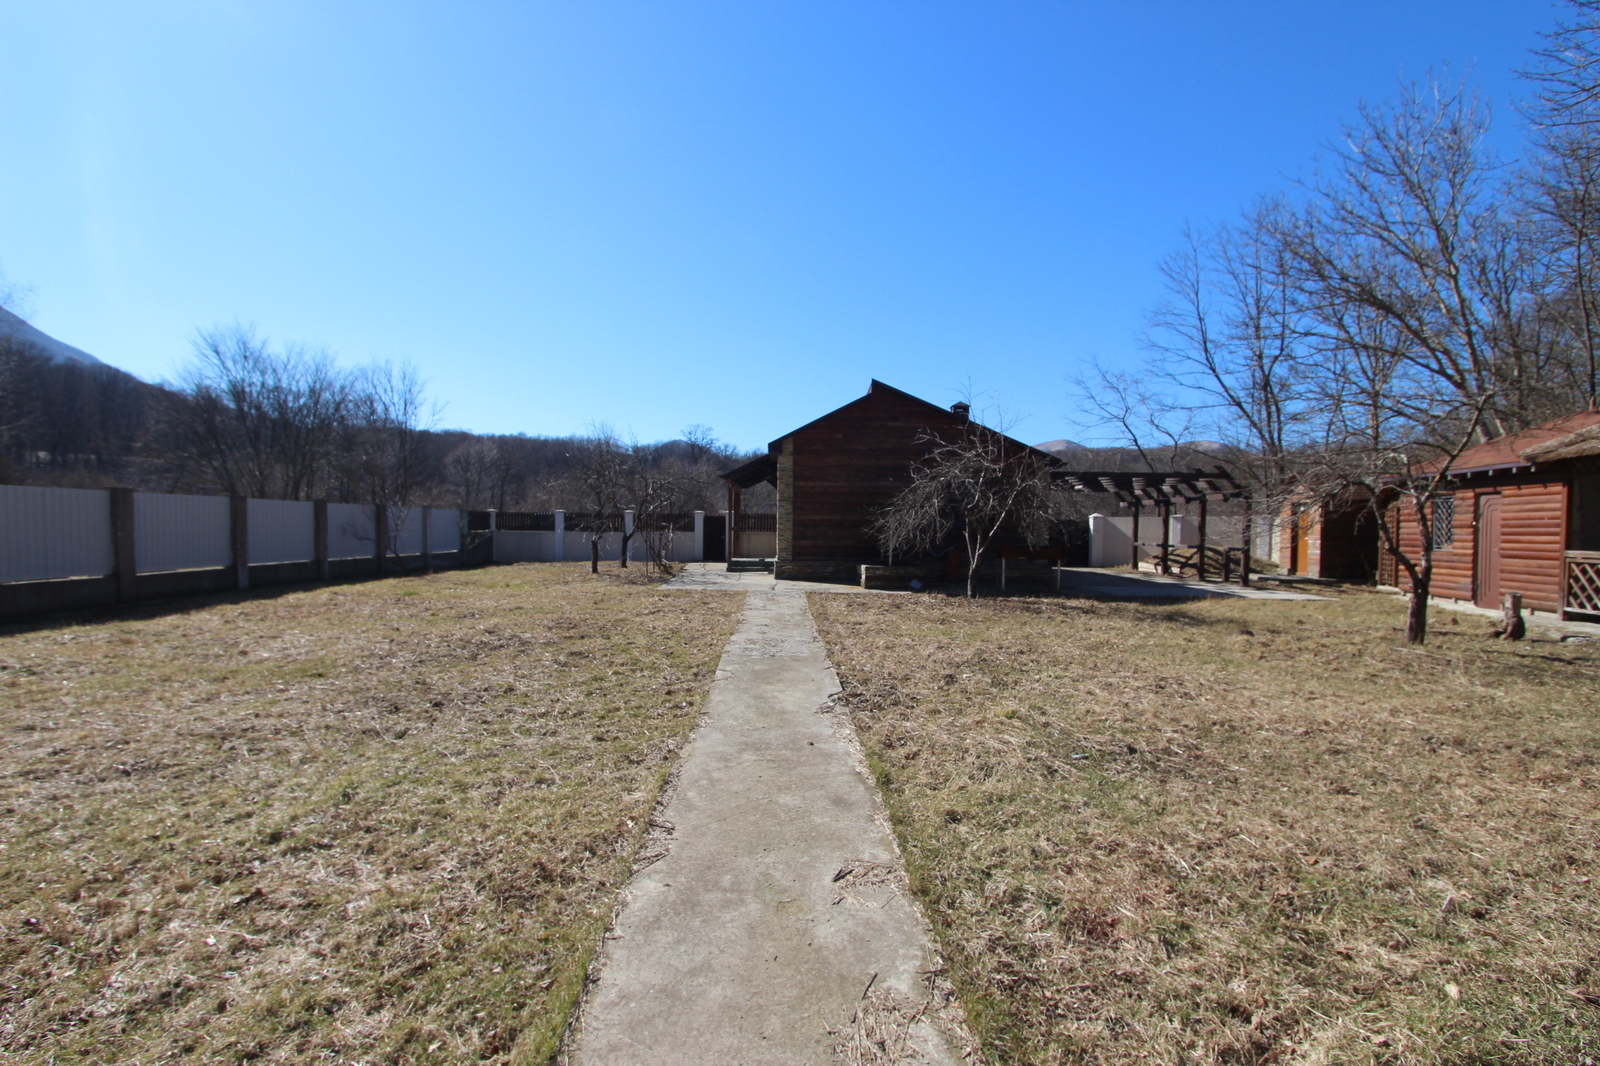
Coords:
pixel 172 532
pixel 51 533
pixel 1111 539
pixel 54 533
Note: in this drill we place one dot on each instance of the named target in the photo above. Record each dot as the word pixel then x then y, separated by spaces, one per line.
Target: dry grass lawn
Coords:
pixel 1238 831
pixel 378 822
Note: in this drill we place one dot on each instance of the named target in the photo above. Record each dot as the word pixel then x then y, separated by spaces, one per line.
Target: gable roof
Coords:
pixel 879 389
pixel 1565 438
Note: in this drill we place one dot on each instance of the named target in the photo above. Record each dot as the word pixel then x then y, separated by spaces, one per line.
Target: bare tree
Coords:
pixel 974 483
pixel 262 423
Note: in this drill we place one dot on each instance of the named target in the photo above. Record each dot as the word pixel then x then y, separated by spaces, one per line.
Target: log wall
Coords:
pixel 1533 527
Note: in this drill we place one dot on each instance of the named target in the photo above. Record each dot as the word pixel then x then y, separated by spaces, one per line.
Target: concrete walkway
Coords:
pixel 773 926
pixel 1118 584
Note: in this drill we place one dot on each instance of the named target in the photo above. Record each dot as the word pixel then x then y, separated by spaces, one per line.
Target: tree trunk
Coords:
pixel 625 538
pixel 1417 613
pixel 594 555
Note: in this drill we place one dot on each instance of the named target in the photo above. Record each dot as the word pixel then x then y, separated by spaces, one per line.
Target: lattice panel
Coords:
pixel 1583 586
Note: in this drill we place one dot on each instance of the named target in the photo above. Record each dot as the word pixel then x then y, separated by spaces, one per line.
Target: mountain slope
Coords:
pixel 15 329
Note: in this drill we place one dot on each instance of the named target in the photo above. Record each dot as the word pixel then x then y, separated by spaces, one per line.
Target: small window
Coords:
pixel 1444 522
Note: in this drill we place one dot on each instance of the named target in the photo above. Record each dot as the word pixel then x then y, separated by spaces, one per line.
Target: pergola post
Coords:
pixel 1200 555
pixel 1133 551
pixel 1165 506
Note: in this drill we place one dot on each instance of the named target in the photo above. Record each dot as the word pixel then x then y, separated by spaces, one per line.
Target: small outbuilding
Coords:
pixel 1337 540
pixel 1524 517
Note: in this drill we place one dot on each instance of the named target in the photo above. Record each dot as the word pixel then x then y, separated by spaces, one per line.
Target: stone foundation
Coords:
pixel 839 571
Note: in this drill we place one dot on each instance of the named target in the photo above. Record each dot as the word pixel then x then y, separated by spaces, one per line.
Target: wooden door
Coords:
pixel 1302 542
pixel 1488 575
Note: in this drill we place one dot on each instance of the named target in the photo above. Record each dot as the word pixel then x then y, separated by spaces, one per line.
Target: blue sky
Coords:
pixel 657 214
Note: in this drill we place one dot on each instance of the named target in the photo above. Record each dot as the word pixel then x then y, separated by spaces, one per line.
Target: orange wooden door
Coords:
pixel 1488 576
pixel 1300 543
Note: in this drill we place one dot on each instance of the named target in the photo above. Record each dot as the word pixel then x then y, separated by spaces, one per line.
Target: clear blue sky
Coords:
pixel 656 214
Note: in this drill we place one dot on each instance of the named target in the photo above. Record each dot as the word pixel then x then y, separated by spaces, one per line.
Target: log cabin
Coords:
pixel 833 473
pixel 1524 517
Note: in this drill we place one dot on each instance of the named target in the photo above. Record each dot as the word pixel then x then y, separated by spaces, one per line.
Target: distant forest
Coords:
pixel 290 423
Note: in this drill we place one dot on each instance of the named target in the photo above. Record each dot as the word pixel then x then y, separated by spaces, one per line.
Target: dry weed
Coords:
pixel 380 822
pixel 1239 831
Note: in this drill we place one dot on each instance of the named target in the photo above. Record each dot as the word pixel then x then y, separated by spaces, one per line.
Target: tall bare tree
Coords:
pixel 262 422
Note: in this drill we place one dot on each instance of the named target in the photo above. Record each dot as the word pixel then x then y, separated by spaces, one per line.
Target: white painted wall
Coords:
pixel 177 532
pixel 756 545
pixel 1110 537
pixel 282 531
pixel 47 534
pixel 349 531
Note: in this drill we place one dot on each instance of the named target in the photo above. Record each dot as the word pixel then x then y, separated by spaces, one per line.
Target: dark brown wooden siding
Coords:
pixel 851 462
pixel 1533 538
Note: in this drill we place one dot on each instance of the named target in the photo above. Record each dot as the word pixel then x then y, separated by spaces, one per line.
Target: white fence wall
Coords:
pixel 407 529
pixel 282 531
pixel 444 530
pixel 518 546
pixel 1110 538
pixel 757 545
pixel 525 546
pixel 173 532
pixel 349 531
pixel 48 534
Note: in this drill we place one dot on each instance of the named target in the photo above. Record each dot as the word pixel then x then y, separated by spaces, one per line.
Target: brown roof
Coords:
pixel 1565 438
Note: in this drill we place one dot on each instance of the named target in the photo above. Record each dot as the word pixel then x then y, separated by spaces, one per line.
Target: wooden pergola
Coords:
pixel 1162 490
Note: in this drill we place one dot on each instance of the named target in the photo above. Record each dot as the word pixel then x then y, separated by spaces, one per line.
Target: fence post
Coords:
pixel 319 537
pixel 239 522
pixel 494 524
pixel 124 558
pixel 380 534
pixel 427 543
pixel 627 536
pixel 561 536
pixel 699 536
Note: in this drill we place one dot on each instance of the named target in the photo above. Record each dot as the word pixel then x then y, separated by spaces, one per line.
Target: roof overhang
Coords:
pixel 762 468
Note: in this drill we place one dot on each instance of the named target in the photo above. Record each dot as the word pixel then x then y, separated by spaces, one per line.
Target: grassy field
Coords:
pixel 1238 831
pixel 378 822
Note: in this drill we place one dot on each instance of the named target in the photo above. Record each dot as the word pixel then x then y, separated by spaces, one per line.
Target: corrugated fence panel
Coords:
pixel 522 547
pixel 349 531
pixel 173 532
pixel 407 524
pixel 444 530
pixel 283 531
pixel 54 533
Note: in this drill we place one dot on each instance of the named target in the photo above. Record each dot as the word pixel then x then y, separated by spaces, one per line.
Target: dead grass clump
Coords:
pixel 383 821
pixel 1238 831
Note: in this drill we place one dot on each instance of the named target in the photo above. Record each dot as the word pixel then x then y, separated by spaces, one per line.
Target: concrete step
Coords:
pixel 749 566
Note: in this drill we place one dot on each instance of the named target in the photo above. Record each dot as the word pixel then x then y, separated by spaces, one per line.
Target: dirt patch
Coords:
pixel 377 822
pixel 1235 831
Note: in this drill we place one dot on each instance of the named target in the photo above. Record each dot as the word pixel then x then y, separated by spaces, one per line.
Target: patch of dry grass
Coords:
pixel 381 822
pixel 1236 831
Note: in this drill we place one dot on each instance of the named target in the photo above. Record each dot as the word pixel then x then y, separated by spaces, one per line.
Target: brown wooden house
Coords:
pixel 833 473
pixel 1524 517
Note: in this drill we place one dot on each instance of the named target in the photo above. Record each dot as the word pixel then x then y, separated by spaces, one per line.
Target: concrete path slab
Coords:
pixel 773 926
pixel 1118 584
pixel 716 576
